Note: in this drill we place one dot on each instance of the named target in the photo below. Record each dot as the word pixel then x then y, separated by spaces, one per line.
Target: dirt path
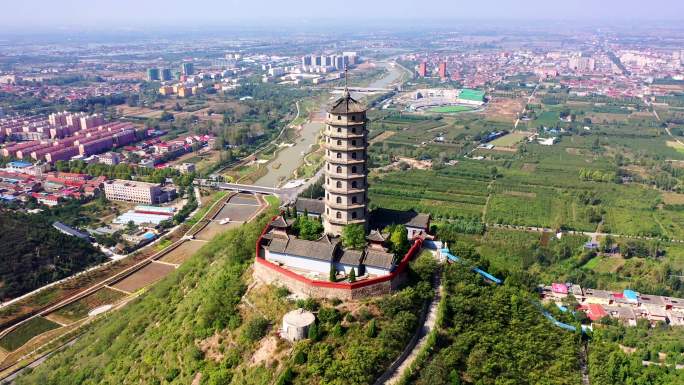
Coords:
pixel 489 196
pixel 424 331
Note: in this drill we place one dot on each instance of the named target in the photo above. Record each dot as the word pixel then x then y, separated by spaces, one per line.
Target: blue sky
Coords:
pixel 93 13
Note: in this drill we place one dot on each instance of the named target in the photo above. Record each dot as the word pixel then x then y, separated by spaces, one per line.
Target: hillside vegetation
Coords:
pixel 495 335
pixel 152 340
pixel 33 254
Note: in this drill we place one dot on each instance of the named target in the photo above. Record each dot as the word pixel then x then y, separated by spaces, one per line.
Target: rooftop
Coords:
pixel 381 218
pixel 346 104
pixel 312 206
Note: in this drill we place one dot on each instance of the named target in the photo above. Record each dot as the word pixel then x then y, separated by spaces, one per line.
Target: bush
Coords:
pixel 282 292
pixel 337 330
pixel 255 329
pixel 328 315
pixel 286 377
pixel 309 304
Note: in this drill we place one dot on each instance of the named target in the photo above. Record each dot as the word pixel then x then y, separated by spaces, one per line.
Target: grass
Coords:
pixel 164 243
pixel 272 200
pixel 604 264
pixel 510 139
pixel 25 332
pixel 450 109
pixel 205 208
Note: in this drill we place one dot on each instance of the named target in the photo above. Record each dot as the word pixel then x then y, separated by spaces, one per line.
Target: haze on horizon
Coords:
pixel 50 14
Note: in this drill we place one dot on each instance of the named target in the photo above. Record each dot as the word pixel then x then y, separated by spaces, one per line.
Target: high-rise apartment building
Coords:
pixel 422 69
pixel 152 74
pixel 187 69
pixel 442 70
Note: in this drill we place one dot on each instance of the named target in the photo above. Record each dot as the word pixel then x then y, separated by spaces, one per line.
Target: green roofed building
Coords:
pixel 468 96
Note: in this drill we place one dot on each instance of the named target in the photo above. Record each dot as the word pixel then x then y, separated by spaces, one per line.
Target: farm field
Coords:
pixel 146 276
pixel 182 252
pixel 511 139
pixel 605 264
pixel 80 309
pixel 25 332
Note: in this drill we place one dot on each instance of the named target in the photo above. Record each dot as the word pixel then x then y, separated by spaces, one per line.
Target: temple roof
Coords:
pixel 379 259
pixel 375 236
pixel 346 104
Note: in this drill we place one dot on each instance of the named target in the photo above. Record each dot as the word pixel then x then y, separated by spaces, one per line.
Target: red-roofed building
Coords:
pixel 595 312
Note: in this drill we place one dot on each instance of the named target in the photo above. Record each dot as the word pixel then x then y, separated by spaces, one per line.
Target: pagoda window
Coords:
pixel 354 184
pixel 353 118
pixel 338 170
pixel 339 155
pixel 353 169
pixel 353 214
pixel 339 142
pixel 354 199
pixel 338 200
pixel 353 155
pixel 338 184
pixel 338 215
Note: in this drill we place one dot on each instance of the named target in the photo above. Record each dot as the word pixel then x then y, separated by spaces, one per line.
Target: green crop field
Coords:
pixel 25 332
pixel 510 139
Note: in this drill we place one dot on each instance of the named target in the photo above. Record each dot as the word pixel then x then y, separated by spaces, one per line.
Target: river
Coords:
pixel 289 158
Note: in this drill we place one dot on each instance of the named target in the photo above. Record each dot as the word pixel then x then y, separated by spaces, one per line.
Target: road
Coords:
pixel 592 235
pixel 529 99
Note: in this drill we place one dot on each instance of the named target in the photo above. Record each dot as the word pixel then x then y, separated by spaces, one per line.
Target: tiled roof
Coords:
pixel 381 218
pixel 351 257
pixel 379 259
pixel 375 236
pixel 322 249
pixel 312 206
pixel 279 222
pixel 346 104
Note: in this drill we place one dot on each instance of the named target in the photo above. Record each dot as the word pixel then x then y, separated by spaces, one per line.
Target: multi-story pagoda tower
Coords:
pixel 346 187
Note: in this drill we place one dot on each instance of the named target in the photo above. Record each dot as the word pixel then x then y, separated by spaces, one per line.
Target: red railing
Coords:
pixel 403 264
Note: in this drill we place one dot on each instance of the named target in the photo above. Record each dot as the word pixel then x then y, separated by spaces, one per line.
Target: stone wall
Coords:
pixel 269 275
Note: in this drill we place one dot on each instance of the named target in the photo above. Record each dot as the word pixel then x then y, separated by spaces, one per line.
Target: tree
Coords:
pixel 309 228
pixel 399 243
pixel 333 273
pixel 354 237
pixel 313 332
pixel 371 329
pixel 352 275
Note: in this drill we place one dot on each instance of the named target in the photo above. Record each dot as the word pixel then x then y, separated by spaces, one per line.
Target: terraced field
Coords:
pixel 80 309
pixel 144 277
pixel 25 332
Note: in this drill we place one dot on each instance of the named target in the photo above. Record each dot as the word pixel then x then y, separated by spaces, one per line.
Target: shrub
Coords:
pixel 337 330
pixel 313 332
pixel 328 315
pixel 282 292
pixel 255 328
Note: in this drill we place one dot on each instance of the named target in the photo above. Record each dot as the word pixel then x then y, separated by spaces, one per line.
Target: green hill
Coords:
pixel 191 325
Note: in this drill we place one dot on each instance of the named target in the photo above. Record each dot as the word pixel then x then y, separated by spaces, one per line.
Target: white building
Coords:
pixel 138 192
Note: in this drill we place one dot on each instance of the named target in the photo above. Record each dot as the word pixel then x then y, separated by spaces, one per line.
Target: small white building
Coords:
pixel 296 325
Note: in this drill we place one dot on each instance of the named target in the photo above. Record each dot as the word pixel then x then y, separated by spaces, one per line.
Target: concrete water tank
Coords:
pixel 296 324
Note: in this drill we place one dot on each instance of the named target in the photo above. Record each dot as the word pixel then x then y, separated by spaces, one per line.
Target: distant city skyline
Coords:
pixel 46 14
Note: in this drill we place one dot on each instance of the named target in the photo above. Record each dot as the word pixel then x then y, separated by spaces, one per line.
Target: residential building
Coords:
pixel 442 70
pixel 153 74
pixel 422 69
pixel 187 69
